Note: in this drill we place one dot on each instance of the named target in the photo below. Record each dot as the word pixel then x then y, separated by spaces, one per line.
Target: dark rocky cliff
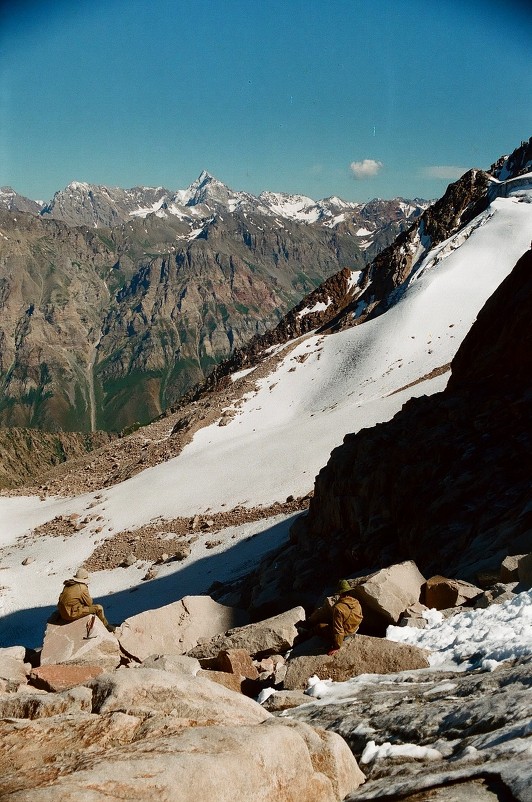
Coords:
pixel 445 483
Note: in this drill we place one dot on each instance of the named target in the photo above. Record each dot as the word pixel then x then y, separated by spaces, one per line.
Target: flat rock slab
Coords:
pixel 273 635
pixel 174 663
pixel 68 643
pixel 359 654
pixel 284 700
pixel 176 628
pixel 57 678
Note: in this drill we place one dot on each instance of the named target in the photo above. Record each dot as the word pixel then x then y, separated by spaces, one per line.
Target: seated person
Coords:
pixel 342 620
pixel 75 600
pixel 347 615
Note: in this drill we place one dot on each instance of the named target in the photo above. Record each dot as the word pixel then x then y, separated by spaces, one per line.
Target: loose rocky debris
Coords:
pixel 175 536
pixel 162 540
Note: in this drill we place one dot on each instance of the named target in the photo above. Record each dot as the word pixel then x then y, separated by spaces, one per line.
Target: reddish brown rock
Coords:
pixel 441 593
pixel 231 681
pixel 237 661
pixel 62 677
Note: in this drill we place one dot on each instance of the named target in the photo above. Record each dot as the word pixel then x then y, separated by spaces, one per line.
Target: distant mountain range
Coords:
pixel 101 206
pixel 117 301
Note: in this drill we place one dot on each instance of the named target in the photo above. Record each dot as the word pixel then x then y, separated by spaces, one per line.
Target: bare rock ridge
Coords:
pixel 116 302
pixel 354 295
pixel 453 488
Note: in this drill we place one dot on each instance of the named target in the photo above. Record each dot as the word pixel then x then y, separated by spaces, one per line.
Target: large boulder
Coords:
pixel 13 668
pixel 273 635
pixel 331 756
pixel 69 643
pixel 176 628
pixel 442 593
pixel 390 591
pixel 524 571
pixel 509 571
pixel 268 761
pixel 145 691
pixel 360 654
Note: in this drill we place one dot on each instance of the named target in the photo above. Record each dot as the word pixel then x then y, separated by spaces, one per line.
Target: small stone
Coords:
pixel 182 552
pixel 150 574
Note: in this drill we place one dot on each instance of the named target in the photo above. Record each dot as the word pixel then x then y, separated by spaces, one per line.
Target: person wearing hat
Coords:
pixel 75 600
pixel 346 616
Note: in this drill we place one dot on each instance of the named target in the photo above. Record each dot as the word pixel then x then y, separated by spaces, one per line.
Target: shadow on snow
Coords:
pixel 27 627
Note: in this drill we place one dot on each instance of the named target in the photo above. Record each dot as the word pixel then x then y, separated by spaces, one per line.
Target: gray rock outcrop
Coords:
pixel 478 722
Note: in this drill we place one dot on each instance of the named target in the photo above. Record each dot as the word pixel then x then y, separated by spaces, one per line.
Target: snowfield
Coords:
pixel 278 440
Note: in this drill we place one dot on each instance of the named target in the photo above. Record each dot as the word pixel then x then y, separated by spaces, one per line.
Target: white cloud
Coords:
pixel 448 172
pixel 366 168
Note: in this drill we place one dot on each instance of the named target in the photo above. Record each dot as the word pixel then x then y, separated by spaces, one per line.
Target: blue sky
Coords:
pixel 356 98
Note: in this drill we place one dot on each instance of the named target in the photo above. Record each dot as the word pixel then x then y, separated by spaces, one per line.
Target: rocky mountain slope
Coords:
pixel 446 482
pixel 288 402
pixel 118 301
pixel 27 453
pixel 353 296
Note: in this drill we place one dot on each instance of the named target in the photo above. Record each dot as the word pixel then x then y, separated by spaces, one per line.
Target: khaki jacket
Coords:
pixel 347 616
pixel 74 597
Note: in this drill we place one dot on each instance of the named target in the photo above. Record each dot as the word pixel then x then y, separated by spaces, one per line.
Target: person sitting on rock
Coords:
pixel 346 616
pixel 75 600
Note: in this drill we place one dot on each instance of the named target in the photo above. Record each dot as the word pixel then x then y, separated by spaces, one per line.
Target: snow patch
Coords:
pixel 320 306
